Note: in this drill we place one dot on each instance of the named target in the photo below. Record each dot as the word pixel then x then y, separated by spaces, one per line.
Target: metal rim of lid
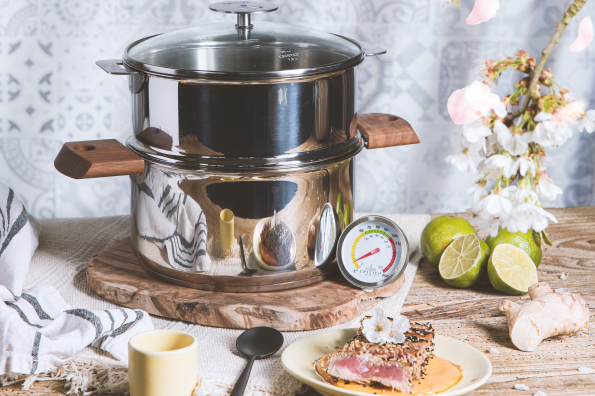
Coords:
pixel 403 260
pixel 207 74
pixel 284 163
pixel 331 256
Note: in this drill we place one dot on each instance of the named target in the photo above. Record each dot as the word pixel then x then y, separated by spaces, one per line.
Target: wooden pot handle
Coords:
pixel 98 158
pixel 385 130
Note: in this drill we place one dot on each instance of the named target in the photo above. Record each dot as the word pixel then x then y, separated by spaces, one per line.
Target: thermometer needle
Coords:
pixel 377 250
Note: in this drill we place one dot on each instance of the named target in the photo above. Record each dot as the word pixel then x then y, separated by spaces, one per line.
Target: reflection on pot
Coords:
pixel 170 219
pixel 328 234
pixel 226 239
pixel 181 206
pixel 274 244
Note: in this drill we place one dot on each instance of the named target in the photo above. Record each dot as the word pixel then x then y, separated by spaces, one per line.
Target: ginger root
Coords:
pixel 546 315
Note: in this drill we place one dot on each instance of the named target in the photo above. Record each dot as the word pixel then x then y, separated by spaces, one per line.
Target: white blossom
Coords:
pixel 540 393
pixel 377 328
pixel 491 212
pixel 546 188
pixel 521 387
pixel 492 224
pixel 560 290
pixel 552 130
pixel 502 161
pixel 400 326
pixel 462 162
pixel 563 276
pixel 522 164
pixel 526 216
pixel 494 350
pixel 500 110
pixel 586 370
pixel 478 191
pixel 493 205
pixel 475 130
pixel 587 122
pixel 515 144
pixel 520 194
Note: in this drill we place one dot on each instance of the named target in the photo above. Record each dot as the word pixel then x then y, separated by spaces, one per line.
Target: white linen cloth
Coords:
pixel 172 219
pixel 67 244
pixel 38 329
pixel 18 240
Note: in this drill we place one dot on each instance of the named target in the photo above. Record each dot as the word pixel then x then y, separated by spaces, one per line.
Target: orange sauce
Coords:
pixel 440 376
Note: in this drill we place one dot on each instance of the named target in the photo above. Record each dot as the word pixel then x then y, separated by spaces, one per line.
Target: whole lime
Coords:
pixel 529 242
pixel 439 233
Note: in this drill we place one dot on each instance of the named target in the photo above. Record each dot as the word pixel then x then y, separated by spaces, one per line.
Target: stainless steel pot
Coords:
pixel 235 126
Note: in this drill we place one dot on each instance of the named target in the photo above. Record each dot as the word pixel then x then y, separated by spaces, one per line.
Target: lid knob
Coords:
pixel 243 9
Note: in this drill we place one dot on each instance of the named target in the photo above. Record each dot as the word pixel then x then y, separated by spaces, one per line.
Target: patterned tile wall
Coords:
pixel 52 92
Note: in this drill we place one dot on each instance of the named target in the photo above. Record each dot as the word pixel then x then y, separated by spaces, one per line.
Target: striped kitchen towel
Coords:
pixel 38 329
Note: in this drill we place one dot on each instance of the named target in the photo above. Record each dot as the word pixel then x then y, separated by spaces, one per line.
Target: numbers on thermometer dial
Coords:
pixel 371 252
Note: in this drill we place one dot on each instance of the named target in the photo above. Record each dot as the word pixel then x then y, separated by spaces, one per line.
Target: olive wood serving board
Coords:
pixel 116 274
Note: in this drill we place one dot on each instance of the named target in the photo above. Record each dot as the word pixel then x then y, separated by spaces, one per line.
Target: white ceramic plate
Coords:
pixel 298 360
pixel 256 246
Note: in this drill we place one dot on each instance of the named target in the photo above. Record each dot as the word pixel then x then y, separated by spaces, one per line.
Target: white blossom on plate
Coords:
pixel 377 328
pixel 400 326
pixel 380 329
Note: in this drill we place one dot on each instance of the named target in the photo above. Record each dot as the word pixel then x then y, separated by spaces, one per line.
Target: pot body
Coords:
pixel 259 118
pixel 177 228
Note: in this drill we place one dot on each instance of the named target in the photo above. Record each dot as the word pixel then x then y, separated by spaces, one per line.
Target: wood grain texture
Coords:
pixel 115 274
pixel 97 158
pixel 471 316
pixel 385 130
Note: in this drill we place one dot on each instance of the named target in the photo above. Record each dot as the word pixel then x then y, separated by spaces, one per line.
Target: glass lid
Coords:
pixel 247 49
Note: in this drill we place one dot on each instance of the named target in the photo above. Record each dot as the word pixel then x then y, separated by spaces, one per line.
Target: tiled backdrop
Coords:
pixel 51 91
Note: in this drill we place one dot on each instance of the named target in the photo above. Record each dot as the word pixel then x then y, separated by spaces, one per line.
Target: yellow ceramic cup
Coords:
pixel 162 363
pixel 226 238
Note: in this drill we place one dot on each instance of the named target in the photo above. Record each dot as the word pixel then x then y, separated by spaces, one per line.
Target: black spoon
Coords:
pixel 256 343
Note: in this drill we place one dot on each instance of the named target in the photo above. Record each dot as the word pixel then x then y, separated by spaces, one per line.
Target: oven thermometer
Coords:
pixel 372 252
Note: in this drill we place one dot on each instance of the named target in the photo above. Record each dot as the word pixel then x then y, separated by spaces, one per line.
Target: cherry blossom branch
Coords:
pixel 533 92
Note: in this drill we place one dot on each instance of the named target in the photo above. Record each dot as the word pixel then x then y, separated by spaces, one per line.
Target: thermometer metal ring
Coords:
pixel 372 252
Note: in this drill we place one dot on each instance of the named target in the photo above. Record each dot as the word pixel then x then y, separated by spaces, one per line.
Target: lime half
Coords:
pixel 511 270
pixel 464 262
pixel 439 233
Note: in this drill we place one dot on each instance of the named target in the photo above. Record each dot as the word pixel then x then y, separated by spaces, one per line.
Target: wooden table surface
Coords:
pixel 472 316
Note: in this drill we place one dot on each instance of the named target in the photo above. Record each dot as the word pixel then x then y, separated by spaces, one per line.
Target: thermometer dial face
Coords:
pixel 372 252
